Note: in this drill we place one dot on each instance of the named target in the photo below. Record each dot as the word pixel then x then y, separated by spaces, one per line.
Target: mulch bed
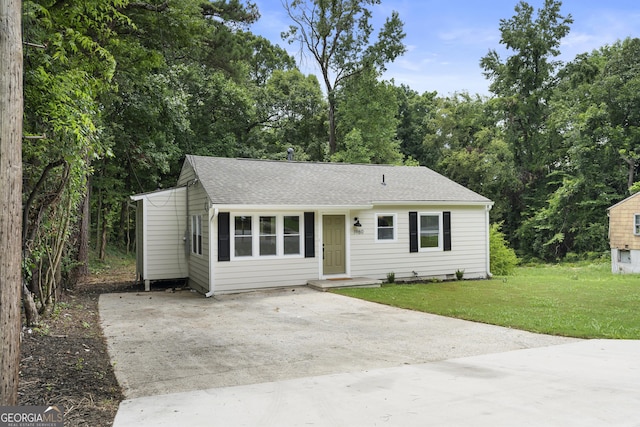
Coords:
pixel 64 361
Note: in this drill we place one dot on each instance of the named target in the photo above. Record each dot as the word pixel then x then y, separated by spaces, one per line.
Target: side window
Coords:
pixel 636 224
pixel 386 227
pixel 430 231
pixel 292 235
pixel 196 234
pixel 243 238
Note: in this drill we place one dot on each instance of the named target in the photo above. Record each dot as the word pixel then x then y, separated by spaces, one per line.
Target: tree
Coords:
pixel 11 110
pixel 337 34
pixel 464 144
pixel 62 82
pixel 523 85
pixel 595 111
pixel 414 111
pixel 369 107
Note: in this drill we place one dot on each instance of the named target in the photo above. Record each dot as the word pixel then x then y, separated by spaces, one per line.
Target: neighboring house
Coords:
pixel 624 235
pixel 240 224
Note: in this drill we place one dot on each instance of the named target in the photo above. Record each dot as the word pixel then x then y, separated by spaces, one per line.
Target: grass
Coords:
pixel 577 300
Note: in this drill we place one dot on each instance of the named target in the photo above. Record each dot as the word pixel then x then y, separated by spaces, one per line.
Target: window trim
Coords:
pixel 196 234
pixel 394 227
pixel 440 246
pixel 234 236
pixel 636 224
pixel 256 234
pixel 299 234
pixel 267 235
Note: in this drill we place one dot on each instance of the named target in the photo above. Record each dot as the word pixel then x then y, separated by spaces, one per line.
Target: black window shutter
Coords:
pixel 309 235
pixel 413 231
pixel 224 238
pixel 446 225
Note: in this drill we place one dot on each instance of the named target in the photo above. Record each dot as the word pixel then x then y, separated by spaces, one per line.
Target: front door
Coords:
pixel 333 244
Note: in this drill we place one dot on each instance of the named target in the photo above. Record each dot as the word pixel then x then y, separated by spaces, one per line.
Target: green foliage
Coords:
pixel 465 145
pixel 337 34
pixel 391 277
pixel 368 108
pixel 523 84
pixel 503 259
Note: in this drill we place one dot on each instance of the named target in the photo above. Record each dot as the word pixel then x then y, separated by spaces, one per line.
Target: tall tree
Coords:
pixel 464 144
pixel 523 85
pixel 62 82
pixel 337 35
pixel 414 111
pixel 11 109
pixel 595 111
pixel 369 108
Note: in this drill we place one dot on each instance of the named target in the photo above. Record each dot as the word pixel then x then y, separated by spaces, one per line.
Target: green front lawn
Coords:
pixel 585 301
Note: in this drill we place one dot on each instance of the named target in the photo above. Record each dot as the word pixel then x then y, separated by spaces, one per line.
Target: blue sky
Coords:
pixel 446 39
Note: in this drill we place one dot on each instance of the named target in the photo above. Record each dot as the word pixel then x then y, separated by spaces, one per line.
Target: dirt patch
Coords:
pixel 64 360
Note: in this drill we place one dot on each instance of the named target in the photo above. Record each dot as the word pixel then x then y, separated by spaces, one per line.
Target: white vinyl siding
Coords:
pixel 199 264
pixel 259 272
pixel 161 223
pixel 468 238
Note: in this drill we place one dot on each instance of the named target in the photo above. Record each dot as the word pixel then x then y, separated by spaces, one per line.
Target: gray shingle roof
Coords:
pixel 258 182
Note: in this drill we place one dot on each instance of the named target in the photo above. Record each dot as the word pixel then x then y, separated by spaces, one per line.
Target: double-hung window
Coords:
pixel 291 234
pixel 268 235
pixel 196 234
pixel 636 224
pixel 385 227
pixel 430 231
pixel 243 238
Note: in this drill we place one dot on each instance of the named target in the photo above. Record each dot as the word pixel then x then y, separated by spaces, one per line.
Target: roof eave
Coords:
pixel 433 203
pixel 284 207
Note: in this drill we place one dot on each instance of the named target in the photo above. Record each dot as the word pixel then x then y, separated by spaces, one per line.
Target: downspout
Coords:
pixel 488 240
pixel 213 212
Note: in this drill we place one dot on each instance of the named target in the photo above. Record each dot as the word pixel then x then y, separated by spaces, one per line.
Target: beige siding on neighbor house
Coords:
pixel 621 223
pixel 376 259
pixel 162 227
pixel 199 264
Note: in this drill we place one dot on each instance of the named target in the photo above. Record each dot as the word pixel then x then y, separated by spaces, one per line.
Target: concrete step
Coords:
pixel 349 282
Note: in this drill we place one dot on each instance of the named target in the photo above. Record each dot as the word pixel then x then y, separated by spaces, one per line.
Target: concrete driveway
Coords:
pixel 164 342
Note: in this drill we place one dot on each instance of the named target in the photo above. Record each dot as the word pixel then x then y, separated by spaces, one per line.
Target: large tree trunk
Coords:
pixel 82 269
pixel 11 109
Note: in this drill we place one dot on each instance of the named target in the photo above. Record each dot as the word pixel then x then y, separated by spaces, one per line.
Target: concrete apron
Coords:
pixel 588 383
pixel 172 342
pixel 332 355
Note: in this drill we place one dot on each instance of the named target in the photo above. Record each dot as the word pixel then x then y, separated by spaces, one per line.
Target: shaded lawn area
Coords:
pixel 584 301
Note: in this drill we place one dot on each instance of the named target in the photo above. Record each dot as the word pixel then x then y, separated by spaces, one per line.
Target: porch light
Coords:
pixel 357 222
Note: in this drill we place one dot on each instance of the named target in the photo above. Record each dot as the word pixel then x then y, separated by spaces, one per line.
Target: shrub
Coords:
pixel 391 277
pixel 503 259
